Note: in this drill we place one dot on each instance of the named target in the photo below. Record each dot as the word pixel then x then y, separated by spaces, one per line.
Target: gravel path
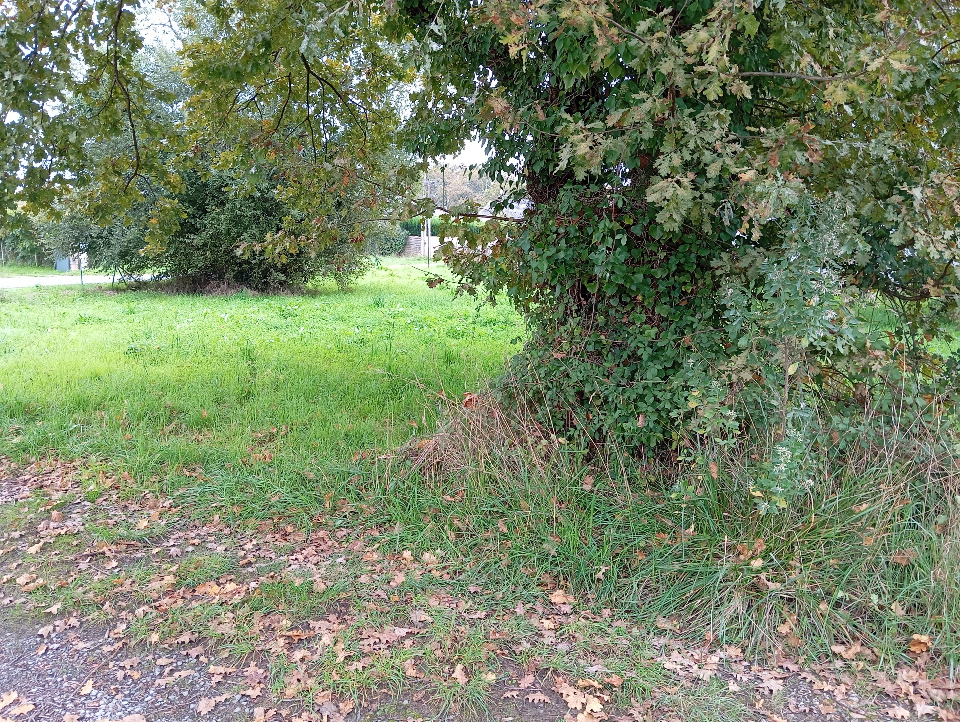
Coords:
pixel 83 674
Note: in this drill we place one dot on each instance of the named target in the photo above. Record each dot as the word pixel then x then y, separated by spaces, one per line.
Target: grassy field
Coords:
pixel 154 381
pixel 245 410
pixel 11 270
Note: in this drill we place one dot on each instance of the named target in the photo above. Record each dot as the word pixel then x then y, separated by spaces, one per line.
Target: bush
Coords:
pixel 23 244
pixel 220 239
pixel 251 240
pixel 386 239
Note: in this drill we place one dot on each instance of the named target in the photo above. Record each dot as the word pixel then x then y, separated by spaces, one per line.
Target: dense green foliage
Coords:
pixel 718 189
pixel 720 194
pixel 21 243
pixel 108 156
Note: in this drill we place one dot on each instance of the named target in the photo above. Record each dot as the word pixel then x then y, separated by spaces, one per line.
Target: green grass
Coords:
pixel 8 270
pixel 280 407
pixel 263 393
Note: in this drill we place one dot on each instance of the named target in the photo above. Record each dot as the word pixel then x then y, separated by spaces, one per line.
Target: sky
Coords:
pixel 471 154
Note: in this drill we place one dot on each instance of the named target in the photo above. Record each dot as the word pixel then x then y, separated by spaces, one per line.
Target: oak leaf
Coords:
pixel 538 698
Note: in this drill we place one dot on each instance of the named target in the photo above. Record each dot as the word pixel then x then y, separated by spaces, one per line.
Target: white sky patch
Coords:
pixel 472 154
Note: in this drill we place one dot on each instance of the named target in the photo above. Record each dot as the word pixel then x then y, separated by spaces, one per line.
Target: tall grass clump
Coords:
pixel 863 549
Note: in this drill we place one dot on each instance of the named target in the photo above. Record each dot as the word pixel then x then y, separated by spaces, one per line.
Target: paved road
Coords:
pixel 29 281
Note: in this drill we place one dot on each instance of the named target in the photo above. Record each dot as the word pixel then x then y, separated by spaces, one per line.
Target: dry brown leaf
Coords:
pixel 614 680
pixel 897 713
pixel 574 698
pixel 772 686
pixel 460 675
pixel 7 698
pixel 510 694
pixel 920 643
pixel 21 709
pixel 410 669
pixel 525 681
pixel 904 557
pixel 538 698
pixel 86 689
pixel 164 661
pixel 561 597
pixel 420 617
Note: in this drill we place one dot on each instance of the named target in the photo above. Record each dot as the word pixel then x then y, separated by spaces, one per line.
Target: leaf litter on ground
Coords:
pixel 321 622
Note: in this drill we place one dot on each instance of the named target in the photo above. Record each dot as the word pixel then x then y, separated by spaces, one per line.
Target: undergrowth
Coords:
pixel 350 411
pixel 868 554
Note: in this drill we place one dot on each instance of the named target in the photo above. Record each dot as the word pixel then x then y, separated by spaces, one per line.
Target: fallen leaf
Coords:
pixel 205 705
pixel 897 713
pixel 903 557
pixel 420 617
pixel 561 597
pixel 459 675
pixel 86 689
pixel 21 709
pixel 510 694
pixel 164 661
pixel 410 669
pixel 574 698
pixel 538 698
pixel 920 643
pixel 7 698
pixel 525 681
